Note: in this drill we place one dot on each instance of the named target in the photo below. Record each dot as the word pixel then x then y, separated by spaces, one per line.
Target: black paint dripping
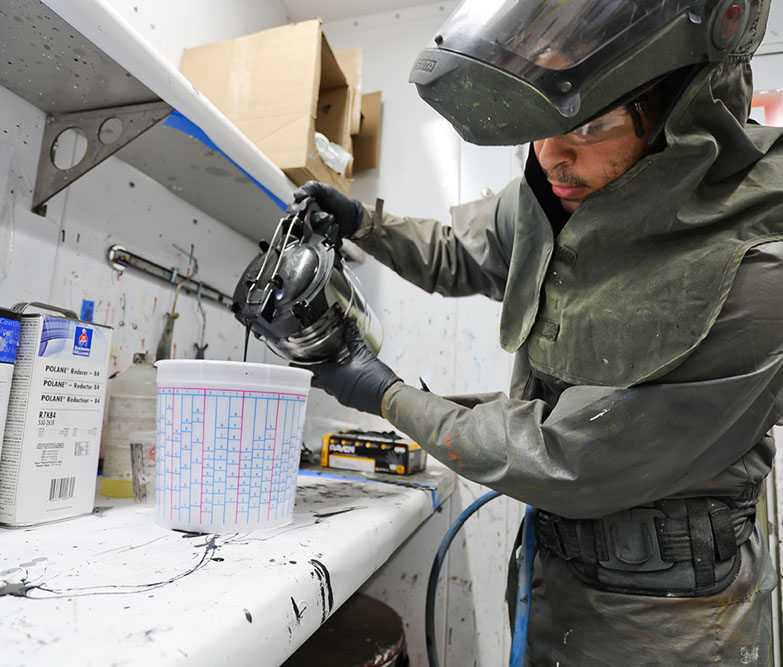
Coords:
pixel 327 594
pixel 248 616
pixel 247 339
pixel 324 515
pixel 18 590
pixel 43 592
pixel 297 613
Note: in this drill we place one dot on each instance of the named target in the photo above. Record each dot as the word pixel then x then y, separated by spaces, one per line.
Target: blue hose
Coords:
pixel 527 555
pixel 432 583
pixel 525 562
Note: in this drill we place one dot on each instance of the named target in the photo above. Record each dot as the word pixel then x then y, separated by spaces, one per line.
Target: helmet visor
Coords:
pixel 555 45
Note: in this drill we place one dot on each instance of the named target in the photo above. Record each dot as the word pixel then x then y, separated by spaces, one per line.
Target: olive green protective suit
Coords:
pixel 648 334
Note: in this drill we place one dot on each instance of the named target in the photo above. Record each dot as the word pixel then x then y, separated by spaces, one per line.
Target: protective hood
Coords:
pixel 641 269
pixel 511 72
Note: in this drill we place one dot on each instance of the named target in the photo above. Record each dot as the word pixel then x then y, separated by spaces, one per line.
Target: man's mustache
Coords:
pixel 561 176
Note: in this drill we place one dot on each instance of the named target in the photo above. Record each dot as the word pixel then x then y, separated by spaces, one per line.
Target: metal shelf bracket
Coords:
pixel 106 131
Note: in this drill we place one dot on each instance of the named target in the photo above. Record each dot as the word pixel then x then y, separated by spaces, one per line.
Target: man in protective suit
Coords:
pixel 640 266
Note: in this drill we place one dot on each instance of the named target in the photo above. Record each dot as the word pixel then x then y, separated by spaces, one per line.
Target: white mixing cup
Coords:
pixel 229 436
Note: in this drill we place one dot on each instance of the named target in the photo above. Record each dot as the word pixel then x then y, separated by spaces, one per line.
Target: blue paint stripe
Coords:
pixel 178 122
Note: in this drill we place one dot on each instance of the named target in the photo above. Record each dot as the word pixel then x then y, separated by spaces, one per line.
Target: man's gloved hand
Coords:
pixel 361 381
pixel 341 214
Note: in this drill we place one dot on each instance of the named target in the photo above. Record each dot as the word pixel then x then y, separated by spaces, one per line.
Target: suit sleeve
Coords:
pixel 599 450
pixel 470 256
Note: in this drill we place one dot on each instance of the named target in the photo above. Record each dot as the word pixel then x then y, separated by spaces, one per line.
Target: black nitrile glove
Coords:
pixel 347 211
pixel 361 381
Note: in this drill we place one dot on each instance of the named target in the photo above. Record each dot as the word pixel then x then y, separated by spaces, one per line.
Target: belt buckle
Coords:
pixel 632 541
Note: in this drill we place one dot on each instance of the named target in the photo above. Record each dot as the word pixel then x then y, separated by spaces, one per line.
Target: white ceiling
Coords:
pixel 335 10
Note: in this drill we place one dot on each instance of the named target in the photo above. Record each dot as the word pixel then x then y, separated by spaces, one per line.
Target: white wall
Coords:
pixel 767 63
pixel 173 25
pixel 451 343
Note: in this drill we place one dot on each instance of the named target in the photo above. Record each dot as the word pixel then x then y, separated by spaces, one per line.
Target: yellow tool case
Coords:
pixel 372 451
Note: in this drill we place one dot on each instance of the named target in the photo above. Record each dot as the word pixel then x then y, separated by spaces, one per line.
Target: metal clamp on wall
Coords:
pixel 122 258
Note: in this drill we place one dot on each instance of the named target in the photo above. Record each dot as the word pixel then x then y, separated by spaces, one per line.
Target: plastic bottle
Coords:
pixel 132 403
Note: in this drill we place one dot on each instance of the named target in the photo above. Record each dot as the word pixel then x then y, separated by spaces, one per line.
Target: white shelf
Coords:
pixel 113 588
pixel 77 55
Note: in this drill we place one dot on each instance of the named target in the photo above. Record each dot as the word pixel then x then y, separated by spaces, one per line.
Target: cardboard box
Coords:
pixel 49 458
pixel 372 452
pixel 367 144
pixel 278 87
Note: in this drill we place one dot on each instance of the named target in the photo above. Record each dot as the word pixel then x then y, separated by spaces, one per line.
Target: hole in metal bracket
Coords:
pixel 69 148
pixel 110 131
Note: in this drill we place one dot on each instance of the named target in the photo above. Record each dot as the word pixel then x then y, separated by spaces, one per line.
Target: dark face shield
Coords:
pixel 509 72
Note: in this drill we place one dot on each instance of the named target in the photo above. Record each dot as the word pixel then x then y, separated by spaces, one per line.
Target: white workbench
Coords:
pixel 113 588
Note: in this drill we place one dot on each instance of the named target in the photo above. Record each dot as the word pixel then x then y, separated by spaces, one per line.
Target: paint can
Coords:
pixel 51 441
pixel 228 441
pixel 364 632
pixel 9 342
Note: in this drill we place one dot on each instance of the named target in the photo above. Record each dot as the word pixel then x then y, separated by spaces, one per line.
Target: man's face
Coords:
pixel 576 167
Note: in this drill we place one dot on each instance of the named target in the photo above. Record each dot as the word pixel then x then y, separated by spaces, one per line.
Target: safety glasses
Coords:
pixel 613 125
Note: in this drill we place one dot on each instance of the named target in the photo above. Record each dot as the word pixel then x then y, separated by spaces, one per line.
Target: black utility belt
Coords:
pixel 682 548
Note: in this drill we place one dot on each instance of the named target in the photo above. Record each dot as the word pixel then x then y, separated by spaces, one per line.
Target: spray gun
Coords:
pixel 297 294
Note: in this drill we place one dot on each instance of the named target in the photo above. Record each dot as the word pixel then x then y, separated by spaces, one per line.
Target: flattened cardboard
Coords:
pixel 367 144
pixel 278 86
pixel 334 99
pixel 350 61
pixel 333 119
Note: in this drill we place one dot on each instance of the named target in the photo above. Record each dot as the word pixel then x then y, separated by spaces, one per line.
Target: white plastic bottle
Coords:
pixel 132 402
